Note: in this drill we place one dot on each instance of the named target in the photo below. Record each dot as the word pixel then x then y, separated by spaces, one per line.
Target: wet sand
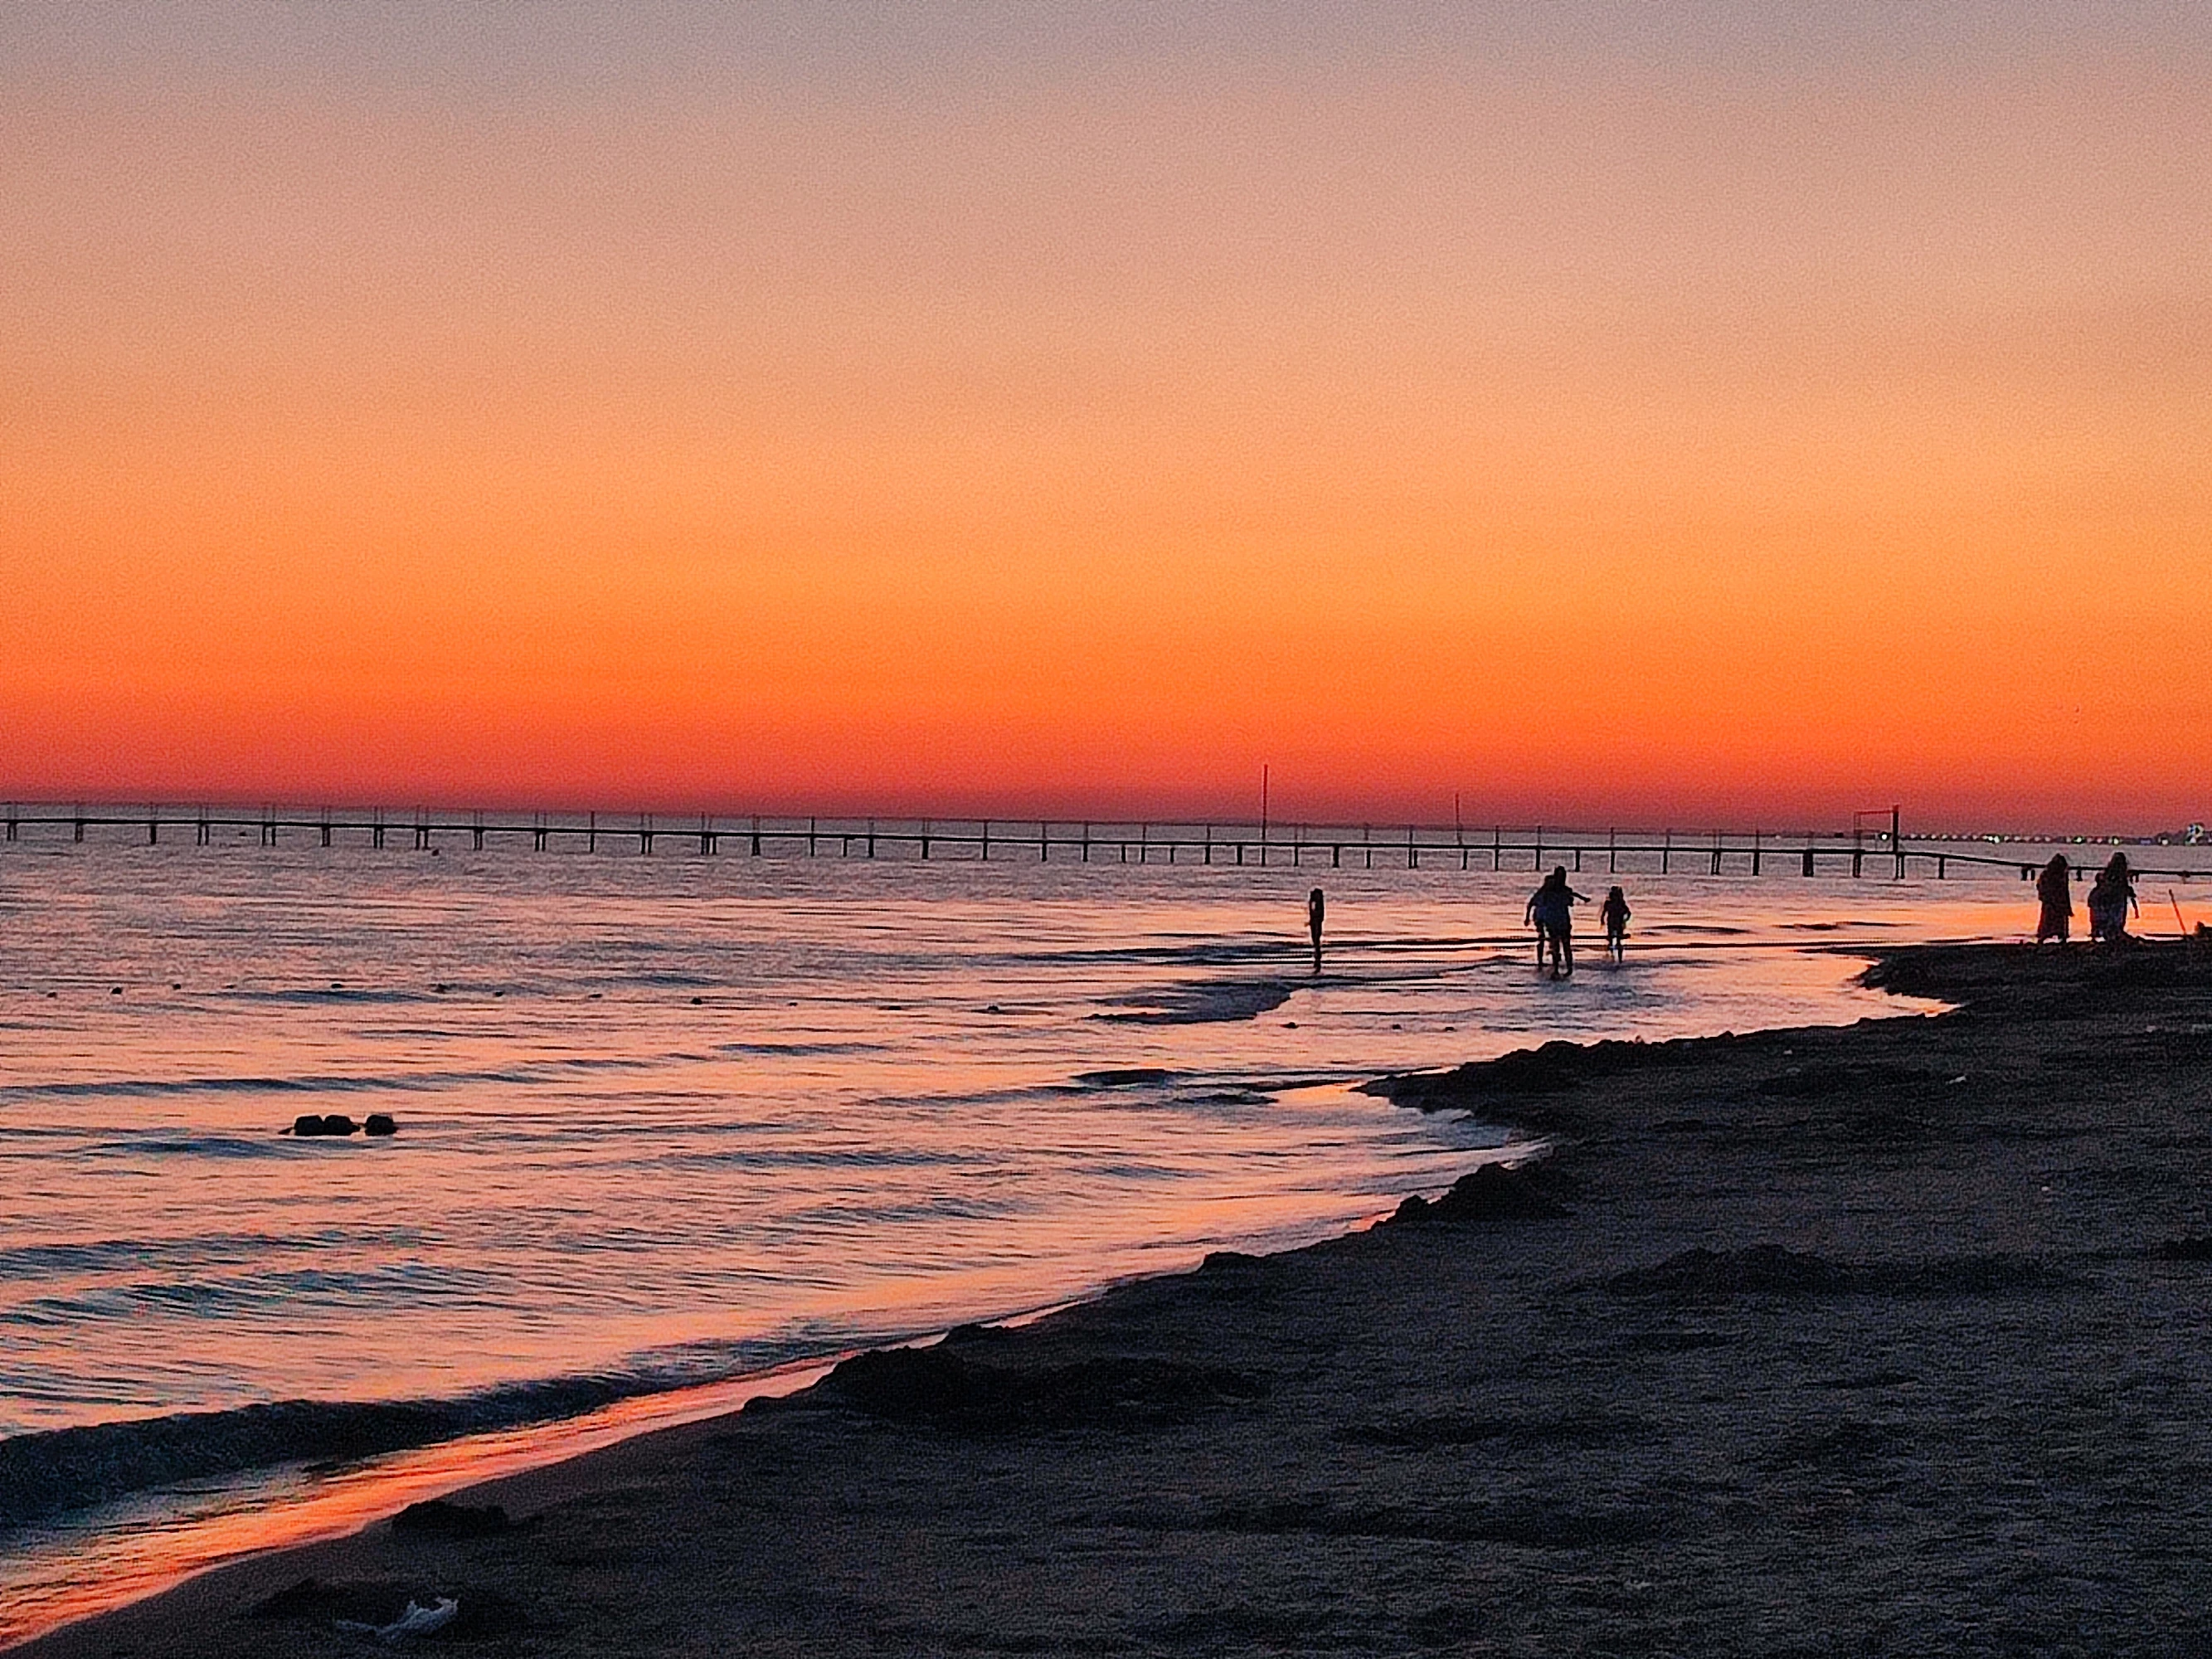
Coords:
pixel 1893 1338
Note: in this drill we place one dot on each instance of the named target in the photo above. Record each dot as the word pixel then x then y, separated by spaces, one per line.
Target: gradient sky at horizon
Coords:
pixel 1602 411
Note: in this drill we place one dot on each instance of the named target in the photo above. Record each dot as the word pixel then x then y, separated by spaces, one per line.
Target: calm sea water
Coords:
pixel 671 1121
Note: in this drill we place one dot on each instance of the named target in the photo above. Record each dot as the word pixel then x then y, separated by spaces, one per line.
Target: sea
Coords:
pixel 672 1130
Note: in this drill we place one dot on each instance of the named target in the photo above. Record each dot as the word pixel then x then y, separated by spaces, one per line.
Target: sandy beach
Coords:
pixel 1891 1338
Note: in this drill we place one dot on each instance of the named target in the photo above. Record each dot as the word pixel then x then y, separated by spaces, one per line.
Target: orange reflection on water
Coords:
pixel 46 1589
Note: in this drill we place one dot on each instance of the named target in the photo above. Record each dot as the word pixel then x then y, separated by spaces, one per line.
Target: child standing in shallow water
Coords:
pixel 1614 914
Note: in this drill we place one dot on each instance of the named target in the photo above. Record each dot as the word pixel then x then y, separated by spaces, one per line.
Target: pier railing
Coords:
pixel 1857 852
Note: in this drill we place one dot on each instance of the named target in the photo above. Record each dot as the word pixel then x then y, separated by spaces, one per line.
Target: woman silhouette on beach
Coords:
pixel 2111 897
pixel 1614 914
pixel 1551 908
pixel 2054 889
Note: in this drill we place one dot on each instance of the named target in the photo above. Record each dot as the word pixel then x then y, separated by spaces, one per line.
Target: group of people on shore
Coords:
pixel 2111 899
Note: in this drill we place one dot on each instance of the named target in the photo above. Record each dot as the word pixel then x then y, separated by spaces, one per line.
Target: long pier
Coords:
pixel 1884 851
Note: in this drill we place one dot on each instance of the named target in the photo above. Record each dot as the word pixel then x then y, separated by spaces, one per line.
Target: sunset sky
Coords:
pixel 1605 411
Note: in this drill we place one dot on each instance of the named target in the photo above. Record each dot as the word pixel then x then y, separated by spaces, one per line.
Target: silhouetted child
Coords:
pixel 2054 889
pixel 1614 914
pixel 1316 906
pixel 2111 897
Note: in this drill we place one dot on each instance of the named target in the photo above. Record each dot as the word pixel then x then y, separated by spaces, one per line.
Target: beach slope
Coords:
pixel 1892 1338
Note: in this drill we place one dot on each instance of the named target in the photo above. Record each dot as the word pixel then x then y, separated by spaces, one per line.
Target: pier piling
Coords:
pixel 1132 842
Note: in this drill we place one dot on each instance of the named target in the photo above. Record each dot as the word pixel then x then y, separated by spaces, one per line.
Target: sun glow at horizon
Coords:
pixel 1590 438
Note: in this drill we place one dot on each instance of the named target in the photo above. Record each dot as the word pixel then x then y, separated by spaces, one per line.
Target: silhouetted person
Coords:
pixel 2111 897
pixel 1553 908
pixel 1533 913
pixel 1317 908
pixel 1614 914
pixel 2054 890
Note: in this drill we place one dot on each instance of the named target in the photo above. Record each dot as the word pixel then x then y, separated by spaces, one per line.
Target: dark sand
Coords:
pixel 1892 1339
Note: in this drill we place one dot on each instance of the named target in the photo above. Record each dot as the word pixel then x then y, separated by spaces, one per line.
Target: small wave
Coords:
pixel 406 1285
pixel 970 1207
pixel 800 1048
pixel 209 1249
pixel 139 1088
pixel 308 996
pixel 1202 953
pixel 54 1472
pixel 175 1145
pixel 811 1159
pixel 45 1474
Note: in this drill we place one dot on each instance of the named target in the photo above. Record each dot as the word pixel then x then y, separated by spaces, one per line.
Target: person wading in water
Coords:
pixel 1552 906
pixel 1614 914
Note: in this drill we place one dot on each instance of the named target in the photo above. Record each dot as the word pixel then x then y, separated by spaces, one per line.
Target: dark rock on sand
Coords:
pixel 1701 1274
pixel 1529 1524
pixel 1492 1192
pixel 933 1385
pixel 1512 1431
pixel 438 1517
pixel 1224 1261
pixel 370 1602
pixel 1817 1082
pixel 1554 1068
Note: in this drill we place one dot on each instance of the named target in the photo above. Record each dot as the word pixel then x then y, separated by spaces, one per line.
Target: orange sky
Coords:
pixel 1597 434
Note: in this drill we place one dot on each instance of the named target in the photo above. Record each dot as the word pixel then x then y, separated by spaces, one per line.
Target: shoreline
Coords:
pixel 1792 1307
pixel 170 1554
